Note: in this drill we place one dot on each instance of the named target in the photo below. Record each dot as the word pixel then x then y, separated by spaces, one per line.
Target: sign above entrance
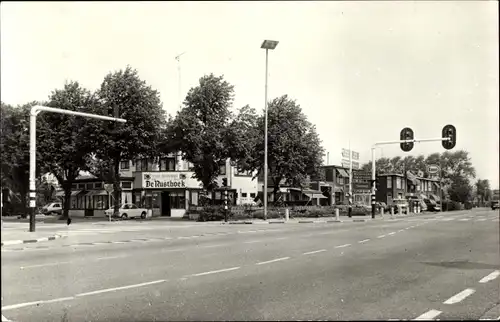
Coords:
pixel 169 180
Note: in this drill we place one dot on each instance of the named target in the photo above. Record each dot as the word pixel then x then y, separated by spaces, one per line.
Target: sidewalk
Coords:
pixel 15 236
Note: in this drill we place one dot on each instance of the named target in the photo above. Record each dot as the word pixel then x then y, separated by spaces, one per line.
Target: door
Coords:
pixel 165 203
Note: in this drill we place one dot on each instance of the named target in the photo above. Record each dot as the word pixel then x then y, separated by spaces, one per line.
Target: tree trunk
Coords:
pixel 67 198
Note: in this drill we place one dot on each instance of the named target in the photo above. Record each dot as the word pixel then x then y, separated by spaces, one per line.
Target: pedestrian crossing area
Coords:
pixel 107 230
pixel 460 219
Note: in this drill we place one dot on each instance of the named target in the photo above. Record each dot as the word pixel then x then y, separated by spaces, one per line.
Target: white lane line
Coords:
pixel 212 246
pixel 273 260
pixel 20 305
pixel 429 315
pixel 217 271
pixel 464 219
pixel 119 288
pixel 363 241
pixel 482 219
pixel 490 277
pixel 342 246
pixel 401 230
pixel 281 238
pixel 252 241
pixel 4 319
pixel 381 236
pixel 315 251
pixel 457 298
pixel 44 265
pixel 391 233
pixel 110 257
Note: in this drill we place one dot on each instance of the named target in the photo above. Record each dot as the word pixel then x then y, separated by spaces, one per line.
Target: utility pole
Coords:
pixel 350 180
pixel 178 58
pixel 35 110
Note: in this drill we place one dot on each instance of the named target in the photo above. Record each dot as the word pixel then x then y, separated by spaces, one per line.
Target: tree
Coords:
pixel 14 146
pixel 294 148
pixel 66 139
pixel 483 190
pixel 460 190
pixel 137 103
pixel 201 130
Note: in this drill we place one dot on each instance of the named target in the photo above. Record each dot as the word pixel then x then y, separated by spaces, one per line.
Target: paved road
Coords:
pixel 442 266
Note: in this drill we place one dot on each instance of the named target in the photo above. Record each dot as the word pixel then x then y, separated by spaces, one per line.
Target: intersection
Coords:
pixel 433 266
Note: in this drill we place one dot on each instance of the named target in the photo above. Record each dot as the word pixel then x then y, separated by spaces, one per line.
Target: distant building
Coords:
pixel 396 186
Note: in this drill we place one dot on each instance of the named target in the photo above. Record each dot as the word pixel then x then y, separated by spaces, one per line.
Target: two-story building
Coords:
pixel 397 186
pixel 166 186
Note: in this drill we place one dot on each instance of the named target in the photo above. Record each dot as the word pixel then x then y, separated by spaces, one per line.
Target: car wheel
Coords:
pixel 124 216
pixel 143 215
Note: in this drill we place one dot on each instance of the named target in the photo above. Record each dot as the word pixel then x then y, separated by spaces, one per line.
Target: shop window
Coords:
pixel 178 200
pixel 243 194
pixel 252 194
pixel 125 165
pixel 127 185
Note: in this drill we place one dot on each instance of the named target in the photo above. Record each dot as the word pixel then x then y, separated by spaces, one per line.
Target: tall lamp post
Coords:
pixel 267 44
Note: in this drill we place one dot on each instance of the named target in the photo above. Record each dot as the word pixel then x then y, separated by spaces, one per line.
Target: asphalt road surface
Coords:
pixel 438 266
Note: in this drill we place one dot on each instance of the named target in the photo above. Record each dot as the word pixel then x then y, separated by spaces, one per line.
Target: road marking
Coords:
pixel 401 230
pixel 211 246
pixel 482 219
pixel 281 238
pixel 217 271
pixel 381 236
pixel 252 241
pixel 315 251
pixel 4 319
pixel 363 241
pixel 464 219
pixel 20 305
pixel 429 315
pixel 392 233
pixel 490 277
pixel 119 288
pixel 111 257
pixel 460 296
pixel 342 246
pixel 43 265
pixel 273 260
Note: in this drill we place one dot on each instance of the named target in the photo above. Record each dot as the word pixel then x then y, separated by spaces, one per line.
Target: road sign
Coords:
pixel 346 164
pixel 108 188
pixel 420 173
pixel 361 180
pixel 433 169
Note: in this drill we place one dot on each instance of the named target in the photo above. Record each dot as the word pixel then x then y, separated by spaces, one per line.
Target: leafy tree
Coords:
pixel 460 189
pixel 483 190
pixel 202 131
pixel 137 103
pixel 294 148
pixel 66 139
pixel 14 146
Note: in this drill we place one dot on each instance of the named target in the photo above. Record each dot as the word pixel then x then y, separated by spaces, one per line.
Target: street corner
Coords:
pixel 32 240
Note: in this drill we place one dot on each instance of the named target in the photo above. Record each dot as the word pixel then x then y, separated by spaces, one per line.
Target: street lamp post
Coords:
pixel 267 44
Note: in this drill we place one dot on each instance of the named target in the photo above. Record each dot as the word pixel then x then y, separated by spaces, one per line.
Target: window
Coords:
pixel 89 186
pixel 127 185
pixel 73 186
pixel 167 164
pixel 142 165
pixel 389 182
pixel 398 183
pixel 252 195
pixel 81 186
pixel 340 180
pixel 133 207
pixel 178 200
pixel 329 175
pixel 346 180
pixel 125 165
pixel 243 194
pixel 98 185
pixel 223 170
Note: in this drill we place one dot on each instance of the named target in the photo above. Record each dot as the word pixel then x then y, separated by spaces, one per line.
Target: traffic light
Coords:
pixel 5 195
pixel 377 184
pixel 224 182
pixel 113 111
pixel 450 132
pixel 406 134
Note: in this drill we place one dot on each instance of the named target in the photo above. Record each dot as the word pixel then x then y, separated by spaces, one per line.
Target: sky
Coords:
pixel 361 71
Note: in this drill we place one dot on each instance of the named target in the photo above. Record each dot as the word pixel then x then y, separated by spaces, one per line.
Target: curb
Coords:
pixel 30 241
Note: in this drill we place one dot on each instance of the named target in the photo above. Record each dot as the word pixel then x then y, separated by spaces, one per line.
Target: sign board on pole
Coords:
pixel 433 169
pixel 361 180
pixel 345 154
pixel 108 188
pixel 346 164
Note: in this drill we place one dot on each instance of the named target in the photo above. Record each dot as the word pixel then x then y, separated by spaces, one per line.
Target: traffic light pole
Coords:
pixel 35 110
pixel 387 143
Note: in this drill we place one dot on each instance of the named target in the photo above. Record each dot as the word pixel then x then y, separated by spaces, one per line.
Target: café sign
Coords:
pixel 169 180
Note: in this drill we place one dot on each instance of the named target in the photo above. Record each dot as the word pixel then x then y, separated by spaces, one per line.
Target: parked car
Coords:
pixel 53 208
pixel 128 210
pixel 494 205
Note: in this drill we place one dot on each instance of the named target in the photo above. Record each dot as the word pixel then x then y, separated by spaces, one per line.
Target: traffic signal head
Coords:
pixel 450 132
pixel 377 183
pixel 406 134
pixel 224 182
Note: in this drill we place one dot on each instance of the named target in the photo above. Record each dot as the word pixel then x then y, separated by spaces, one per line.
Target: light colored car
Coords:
pixel 128 210
pixel 52 208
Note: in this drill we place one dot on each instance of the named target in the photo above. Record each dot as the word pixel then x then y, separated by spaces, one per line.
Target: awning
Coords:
pixel 436 198
pixel 73 193
pixel 97 193
pixel 423 197
pixel 343 173
pixel 338 189
pixel 282 190
pixel 436 184
pixel 313 194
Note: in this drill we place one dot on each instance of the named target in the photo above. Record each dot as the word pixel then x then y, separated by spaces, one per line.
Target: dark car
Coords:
pixel 494 205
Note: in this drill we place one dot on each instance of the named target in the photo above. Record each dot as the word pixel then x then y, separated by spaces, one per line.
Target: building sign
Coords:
pixel 346 164
pixel 169 180
pixel 361 180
